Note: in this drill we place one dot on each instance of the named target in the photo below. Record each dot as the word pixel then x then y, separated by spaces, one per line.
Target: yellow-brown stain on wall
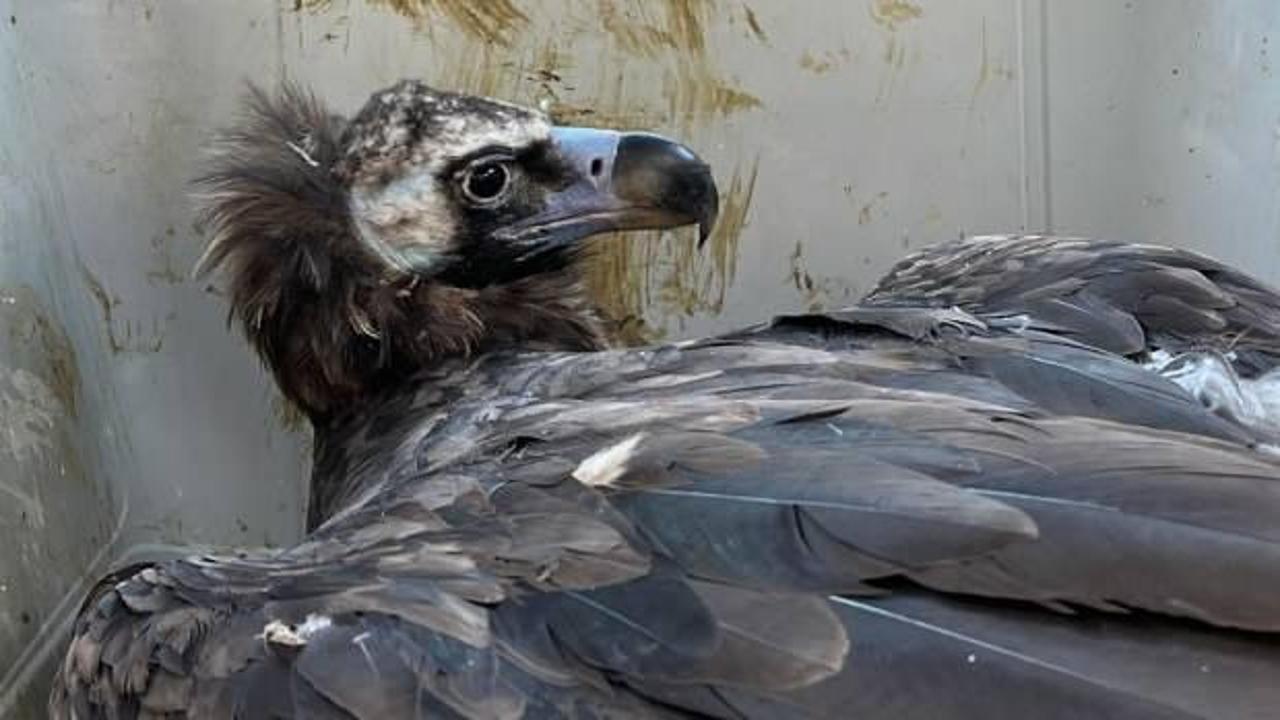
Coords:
pixel 696 96
pixel 672 33
pixel 618 281
pixel 639 30
pixel 568 113
pixel 687 18
pixel 821 63
pixel 666 277
pixel 491 21
pixel 815 65
pixel 634 29
pixel 610 103
pixel 818 293
pixel 527 74
pixel 480 70
pixel 549 64
pixel 890 14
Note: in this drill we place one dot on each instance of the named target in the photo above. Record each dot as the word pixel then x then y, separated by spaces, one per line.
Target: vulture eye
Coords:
pixel 485 181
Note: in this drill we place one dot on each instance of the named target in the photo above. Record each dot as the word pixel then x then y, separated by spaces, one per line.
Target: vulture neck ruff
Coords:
pixel 333 321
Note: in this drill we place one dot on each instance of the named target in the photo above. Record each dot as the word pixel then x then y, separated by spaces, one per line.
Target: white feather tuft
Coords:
pixel 1210 378
pixel 278 632
pixel 605 467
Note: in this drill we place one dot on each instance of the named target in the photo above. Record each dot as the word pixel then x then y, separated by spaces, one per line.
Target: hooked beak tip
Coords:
pixel 706 225
pixel 628 181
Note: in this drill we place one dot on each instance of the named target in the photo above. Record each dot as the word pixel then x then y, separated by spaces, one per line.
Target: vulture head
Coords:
pixel 429 226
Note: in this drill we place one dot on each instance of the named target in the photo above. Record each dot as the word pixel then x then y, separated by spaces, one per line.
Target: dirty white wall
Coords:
pixel 1164 124
pixel 844 133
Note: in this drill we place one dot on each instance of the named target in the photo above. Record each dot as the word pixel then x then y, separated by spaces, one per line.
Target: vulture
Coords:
pixel 955 500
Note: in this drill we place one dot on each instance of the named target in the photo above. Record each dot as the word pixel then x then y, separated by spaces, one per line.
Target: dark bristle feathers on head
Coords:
pixel 331 322
pixel 271 183
pixel 279 234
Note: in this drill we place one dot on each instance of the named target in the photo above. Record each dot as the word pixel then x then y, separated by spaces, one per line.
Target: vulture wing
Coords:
pixel 949 351
pixel 435 601
pixel 1122 297
pixel 648 532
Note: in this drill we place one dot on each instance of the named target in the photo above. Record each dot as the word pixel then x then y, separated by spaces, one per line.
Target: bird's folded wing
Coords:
pixel 437 600
pixel 805 482
pixel 631 541
pixel 1122 297
pixel 1016 364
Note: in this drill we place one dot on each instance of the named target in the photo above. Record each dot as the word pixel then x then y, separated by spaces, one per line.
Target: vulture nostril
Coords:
pixel 597 166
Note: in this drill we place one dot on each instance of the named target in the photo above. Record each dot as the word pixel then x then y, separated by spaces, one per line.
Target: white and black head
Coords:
pixel 430 224
pixel 475 191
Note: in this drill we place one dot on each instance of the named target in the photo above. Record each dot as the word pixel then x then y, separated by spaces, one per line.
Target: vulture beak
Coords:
pixel 624 181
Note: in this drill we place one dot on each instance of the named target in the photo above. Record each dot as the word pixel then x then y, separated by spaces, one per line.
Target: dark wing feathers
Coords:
pixel 1121 297
pixel 633 533
pixel 1005 660
pixel 993 361
pixel 819 522
pixel 374 639
pixel 919 656
pixel 1149 522
pixel 1067 378
pixel 779 640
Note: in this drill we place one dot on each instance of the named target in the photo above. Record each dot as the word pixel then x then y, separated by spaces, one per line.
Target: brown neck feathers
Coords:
pixel 328 353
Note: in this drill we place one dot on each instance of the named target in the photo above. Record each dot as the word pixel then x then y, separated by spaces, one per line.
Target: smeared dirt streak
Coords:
pixel 815 65
pixel 646 284
pixel 633 29
pixel 672 33
pixel 163 269
pixel 701 96
pixel 491 21
pixel 686 18
pixel 28 322
pixel 754 24
pixel 818 293
pixel 39 396
pixel 890 14
pixel 133 340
